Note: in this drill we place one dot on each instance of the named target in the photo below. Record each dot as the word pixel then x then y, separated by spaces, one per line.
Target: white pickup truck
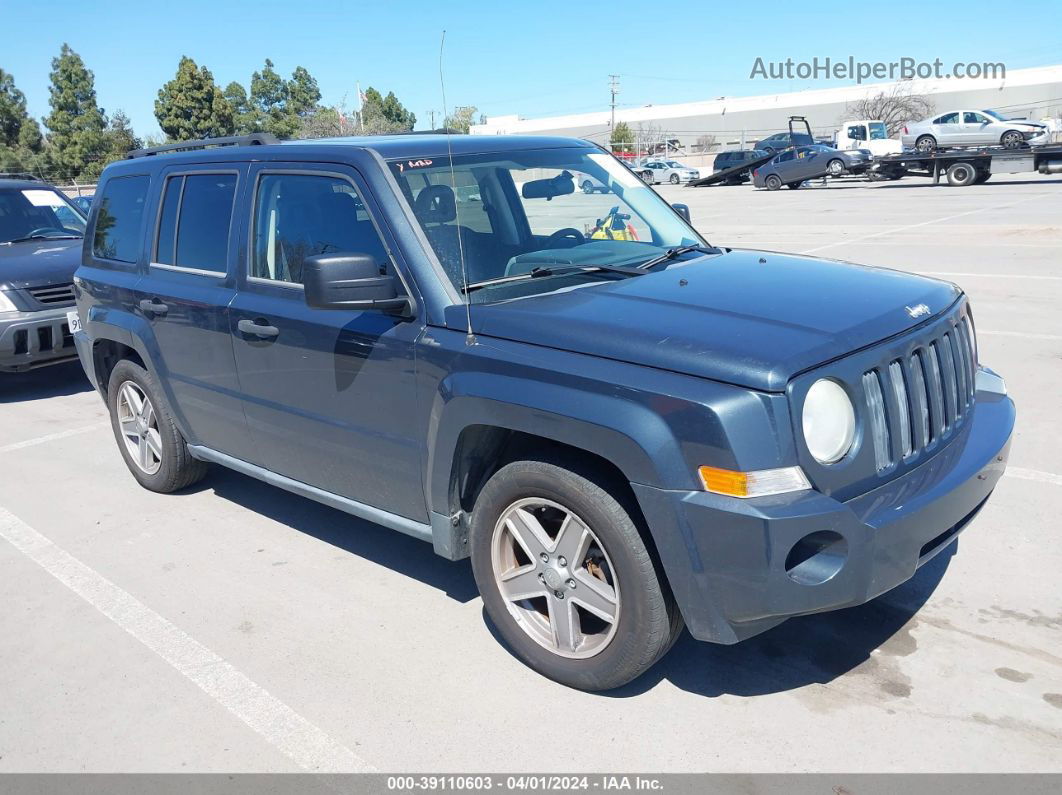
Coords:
pixel 870 134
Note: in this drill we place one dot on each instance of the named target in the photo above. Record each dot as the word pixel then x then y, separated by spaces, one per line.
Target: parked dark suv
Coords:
pixel 734 158
pixel 40 244
pixel 625 427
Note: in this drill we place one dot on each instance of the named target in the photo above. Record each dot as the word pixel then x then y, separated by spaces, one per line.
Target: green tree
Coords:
pixel 12 110
pixel 244 116
pixel 270 95
pixel 461 119
pixel 20 135
pixel 304 95
pixel 76 125
pixel 622 137
pixel 191 105
pixel 120 137
pixel 380 114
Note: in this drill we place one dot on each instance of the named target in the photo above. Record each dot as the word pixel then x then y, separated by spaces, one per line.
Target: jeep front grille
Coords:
pixel 918 399
pixel 54 295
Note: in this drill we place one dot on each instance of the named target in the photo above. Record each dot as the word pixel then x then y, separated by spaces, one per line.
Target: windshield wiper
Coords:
pixel 671 253
pixel 553 270
pixel 43 237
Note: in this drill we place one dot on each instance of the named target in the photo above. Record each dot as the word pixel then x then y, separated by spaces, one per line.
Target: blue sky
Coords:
pixel 533 58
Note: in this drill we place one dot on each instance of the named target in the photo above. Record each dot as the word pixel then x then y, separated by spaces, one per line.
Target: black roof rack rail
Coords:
pixel 255 139
pixel 25 176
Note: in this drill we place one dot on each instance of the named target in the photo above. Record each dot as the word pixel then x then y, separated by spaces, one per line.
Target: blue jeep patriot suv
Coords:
pixel 626 428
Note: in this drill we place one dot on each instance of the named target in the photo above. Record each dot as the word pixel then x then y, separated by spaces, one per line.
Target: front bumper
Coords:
pixel 34 339
pixel 734 564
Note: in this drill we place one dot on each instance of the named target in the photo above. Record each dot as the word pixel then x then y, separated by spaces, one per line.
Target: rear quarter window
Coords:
pixel 120 220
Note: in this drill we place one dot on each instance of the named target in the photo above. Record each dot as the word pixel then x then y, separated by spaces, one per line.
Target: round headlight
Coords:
pixel 829 421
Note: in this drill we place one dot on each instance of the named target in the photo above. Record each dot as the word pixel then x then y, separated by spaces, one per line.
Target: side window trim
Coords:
pixel 166 177
pixel 256 185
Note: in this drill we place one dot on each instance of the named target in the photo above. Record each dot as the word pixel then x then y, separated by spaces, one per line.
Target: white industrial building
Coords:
pixel 731 122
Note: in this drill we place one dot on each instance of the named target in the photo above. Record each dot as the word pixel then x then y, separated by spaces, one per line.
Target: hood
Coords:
pixel 36 263
pixel 749 318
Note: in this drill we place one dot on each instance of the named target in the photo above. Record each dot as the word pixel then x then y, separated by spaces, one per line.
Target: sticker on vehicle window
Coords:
pixel 43 198
pixel 617 171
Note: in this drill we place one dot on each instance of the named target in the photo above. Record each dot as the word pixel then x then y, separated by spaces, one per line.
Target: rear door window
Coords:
pixel 119 222
pixel 194 222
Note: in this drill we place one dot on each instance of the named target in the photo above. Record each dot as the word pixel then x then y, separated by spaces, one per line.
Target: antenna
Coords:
pixel 470 338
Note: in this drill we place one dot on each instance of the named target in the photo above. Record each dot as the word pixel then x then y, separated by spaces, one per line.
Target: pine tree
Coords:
pixel 76 124
pixel 269 98
pixel 12 110
pixel 191 105
pixel 120 137
pixel 303 92
pixel 245 119
pixel 380 114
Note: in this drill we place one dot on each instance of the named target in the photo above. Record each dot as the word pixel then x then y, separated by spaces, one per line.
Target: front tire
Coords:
pixel 150 443
pixel 675 179
pixel 566 577
pixel 1011 139
pixel 835 167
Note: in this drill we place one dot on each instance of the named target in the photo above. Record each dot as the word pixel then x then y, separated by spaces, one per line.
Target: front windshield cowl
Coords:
pixel 502 214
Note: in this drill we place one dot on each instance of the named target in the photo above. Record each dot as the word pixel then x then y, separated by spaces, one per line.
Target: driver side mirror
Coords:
pixel 684 211
pixel 350 281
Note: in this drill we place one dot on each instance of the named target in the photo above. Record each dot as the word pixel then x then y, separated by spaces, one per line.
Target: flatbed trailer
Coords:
pixel 964 167
pixel 729 173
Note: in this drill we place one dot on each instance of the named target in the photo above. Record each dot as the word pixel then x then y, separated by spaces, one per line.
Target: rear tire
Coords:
pixel 527 517
pixel 961 174
pixel 926 143
pixel 772 182
pixel 588 187
pixel 150 443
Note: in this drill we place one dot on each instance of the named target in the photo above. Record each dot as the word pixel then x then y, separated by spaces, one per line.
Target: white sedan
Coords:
pixel 668 171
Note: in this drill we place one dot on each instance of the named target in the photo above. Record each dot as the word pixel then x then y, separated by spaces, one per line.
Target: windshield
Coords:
pixel 993 114
pixel 37 213
pixel 878 131
pixel 511 213
pixel 675 164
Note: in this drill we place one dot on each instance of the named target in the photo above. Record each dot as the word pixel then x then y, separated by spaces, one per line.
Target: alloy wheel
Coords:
pixel 555 578
pixel 139 426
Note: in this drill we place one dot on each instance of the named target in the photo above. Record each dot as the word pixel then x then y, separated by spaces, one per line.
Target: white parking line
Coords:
pixel 920 224
pixel 306 744
pixel 1034 474
pixel 1029 335
pixel 51 437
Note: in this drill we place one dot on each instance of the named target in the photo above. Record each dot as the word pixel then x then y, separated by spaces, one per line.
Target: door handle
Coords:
pixel 257 329
pixel 153 306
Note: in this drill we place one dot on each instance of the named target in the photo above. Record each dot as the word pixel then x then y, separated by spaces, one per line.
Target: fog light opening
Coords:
pixel 816 558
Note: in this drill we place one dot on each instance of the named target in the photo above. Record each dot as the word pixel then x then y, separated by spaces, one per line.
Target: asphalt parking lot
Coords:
pixel 239 628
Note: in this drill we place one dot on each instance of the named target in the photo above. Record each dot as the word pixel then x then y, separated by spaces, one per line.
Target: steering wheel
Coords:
pixel 43 230
pixel 567 233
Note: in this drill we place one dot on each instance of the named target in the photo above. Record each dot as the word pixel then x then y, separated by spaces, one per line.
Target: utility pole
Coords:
pixel 613 87
pixel 432 114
